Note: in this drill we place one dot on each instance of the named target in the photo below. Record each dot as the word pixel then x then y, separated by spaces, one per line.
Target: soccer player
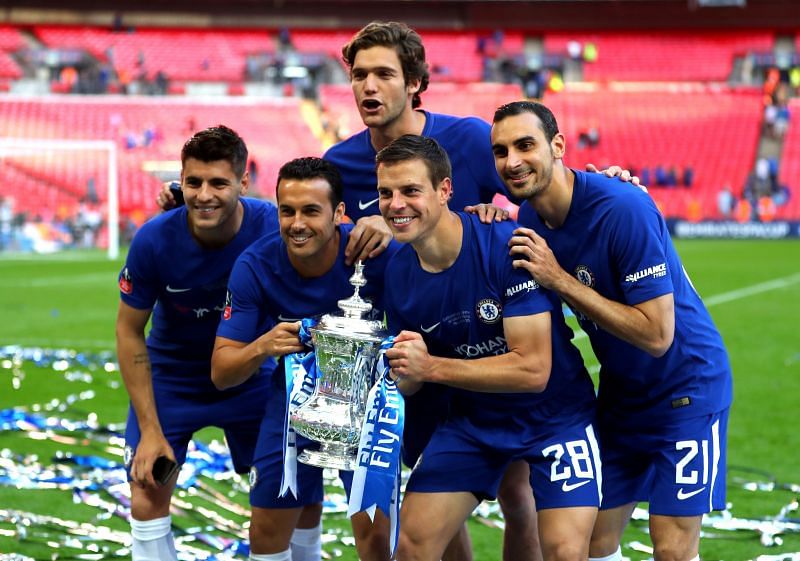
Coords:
pixel 275 283
pixel 389 74
pixel 665 381
pixel 176 272
pixel 469 320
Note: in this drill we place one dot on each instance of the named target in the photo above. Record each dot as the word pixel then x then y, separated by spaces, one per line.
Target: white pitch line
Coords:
pixel 740 293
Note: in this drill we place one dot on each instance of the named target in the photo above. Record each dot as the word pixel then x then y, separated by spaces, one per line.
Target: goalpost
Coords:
pixel 10 147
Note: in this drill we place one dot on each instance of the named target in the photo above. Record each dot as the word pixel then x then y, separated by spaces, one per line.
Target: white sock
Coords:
pixel 696 558
pixel 282 556
pixel 152 540
pixel 307 544
pixel 616 556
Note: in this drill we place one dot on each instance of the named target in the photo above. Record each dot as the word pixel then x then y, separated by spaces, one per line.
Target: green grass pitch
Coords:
pixel 752 289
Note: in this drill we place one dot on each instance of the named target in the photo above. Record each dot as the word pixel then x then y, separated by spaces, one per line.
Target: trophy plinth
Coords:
pixel 346 348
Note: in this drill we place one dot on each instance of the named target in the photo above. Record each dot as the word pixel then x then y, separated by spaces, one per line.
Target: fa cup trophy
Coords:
pixel 346 348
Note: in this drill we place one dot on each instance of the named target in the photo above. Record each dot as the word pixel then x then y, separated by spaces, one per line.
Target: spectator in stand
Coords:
pixel 672 177
pixel 252 169
pixel 590 136
pixel 688 177
pixel 644 176
pixel 725 202
pixel 661 176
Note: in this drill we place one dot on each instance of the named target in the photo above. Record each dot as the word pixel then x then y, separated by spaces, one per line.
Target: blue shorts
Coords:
pixel 425 410
pixel 676 466
pixel 236 411
pixel 267 470
pixel 563 458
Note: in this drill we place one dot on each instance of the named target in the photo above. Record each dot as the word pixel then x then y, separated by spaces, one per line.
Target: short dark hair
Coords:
pixel 415 147
pixel 546 117
pixel 312 168
pixel 217 143
pixel 405 41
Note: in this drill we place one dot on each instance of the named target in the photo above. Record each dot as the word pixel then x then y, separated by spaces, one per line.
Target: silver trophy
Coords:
pixel 346 348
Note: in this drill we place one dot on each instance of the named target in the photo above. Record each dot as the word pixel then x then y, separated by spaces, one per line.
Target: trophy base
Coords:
pixel 334 456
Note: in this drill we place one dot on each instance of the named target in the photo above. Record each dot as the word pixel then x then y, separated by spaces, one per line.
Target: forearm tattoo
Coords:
pixel 142 358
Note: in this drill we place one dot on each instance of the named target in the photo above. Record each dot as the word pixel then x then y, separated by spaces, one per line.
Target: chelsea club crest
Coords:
pixel 489 310
pixel 127 456
pixel 584 275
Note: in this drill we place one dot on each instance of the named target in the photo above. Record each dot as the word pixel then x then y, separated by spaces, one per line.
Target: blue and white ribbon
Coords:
pixel 376 480
pixel 300 371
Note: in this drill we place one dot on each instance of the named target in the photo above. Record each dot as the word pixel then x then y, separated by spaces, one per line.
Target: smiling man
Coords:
pixel 275 283
pixel 499 344
pixel 176 270
pixel 388 75
pixel 665 381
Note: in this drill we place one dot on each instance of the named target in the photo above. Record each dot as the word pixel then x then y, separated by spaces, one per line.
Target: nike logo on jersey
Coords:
pixel 682 495
pixel 431 328
pixel 362 205
pixel 566 487
pixel 281 318
pixel 170 289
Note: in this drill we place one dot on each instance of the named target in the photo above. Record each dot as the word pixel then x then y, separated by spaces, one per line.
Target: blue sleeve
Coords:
pixel 139 279
pixel 638 249
pixel 244 316
pixel 522 296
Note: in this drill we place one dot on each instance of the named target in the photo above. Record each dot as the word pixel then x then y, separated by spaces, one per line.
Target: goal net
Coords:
pixel 59 194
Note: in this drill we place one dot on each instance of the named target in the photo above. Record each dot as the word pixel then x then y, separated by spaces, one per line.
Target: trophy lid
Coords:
pixel 352 324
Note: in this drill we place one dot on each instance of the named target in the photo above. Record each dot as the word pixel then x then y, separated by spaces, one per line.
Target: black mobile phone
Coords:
pixel 175 189
pixel 164 469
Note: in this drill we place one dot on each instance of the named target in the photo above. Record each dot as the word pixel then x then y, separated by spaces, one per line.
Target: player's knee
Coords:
pixel 566 550
pixel 409 547
pixel 602 544
pixel 516 501
pixel 373 546
pixel 266 536
pixel 674 551
pixel 150 503
pixel 372 537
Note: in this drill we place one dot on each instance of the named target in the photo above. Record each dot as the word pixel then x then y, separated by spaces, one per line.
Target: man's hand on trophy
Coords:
pixel 283 339
pixel 368 238
pixel 409 361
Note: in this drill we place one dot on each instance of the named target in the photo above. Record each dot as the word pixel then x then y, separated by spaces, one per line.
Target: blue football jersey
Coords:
pixel 615 241
pixel 184 284
pixel 467 142
pixel 265 288
pixel 459 313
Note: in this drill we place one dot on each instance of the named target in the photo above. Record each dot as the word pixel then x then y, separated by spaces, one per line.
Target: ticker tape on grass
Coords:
pixel 207 522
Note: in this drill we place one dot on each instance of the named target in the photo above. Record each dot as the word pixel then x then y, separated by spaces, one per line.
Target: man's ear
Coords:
pixel 559 145
pixel 445 190
pixel 245 183
pixel 338 214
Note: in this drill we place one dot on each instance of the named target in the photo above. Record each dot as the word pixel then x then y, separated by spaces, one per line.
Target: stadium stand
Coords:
pixel 713 130
pixel 662 55
pixel 655 97
pixel 789 172
pixel 183 54
pixel 10 38
pixel 274 129
pixel 452 56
